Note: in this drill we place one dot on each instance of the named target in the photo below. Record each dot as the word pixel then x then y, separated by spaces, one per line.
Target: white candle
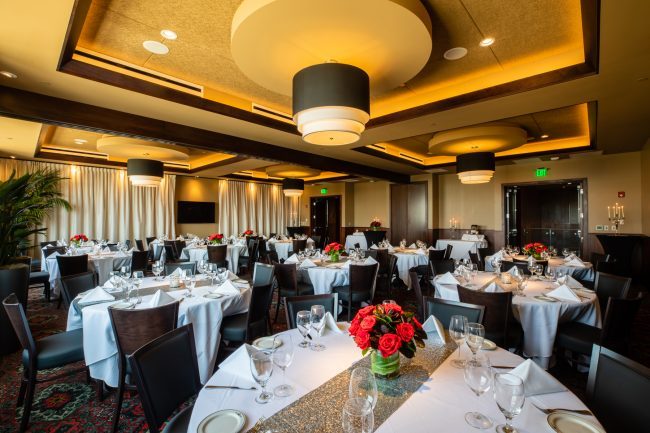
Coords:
pixel 609 215
pixel 622 211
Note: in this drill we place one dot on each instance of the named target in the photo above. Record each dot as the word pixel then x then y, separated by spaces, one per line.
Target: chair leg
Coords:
pixel 23 387
pixel 349 310
pixel 100 390
pixel 29 399
pixel 118 406
pixel 58 304
pixel 277 309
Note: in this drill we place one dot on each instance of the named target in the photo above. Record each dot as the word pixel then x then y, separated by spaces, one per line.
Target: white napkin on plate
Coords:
pixel 563 293
pixel 576 262
pixel 106 250
pixel 160 298
pixel 447 278
pixel 536 380
pixel 374 247
pixel 96 295
pixel 568 280
pixel 227 288
pixel 413 246
pixel 493 288
pixel 330 325
pixel 238 364
pixel 433 326
pixel 307 263
pixel 292 259
pixel 369 261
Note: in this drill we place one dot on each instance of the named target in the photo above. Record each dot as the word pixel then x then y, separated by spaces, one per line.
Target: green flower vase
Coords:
pixel 334 257
pixel 384 368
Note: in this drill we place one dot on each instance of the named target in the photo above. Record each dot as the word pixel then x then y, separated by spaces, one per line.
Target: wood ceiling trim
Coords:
pixel 21 104
pixel 217 164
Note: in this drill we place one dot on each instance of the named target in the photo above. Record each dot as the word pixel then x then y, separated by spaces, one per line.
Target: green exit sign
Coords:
pixel 323 191
pixel 541 172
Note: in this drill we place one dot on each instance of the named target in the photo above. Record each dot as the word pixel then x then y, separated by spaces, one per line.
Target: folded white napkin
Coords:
pixel 227 288
pixel 60 243
pixel 433 326
pixel 374 247
pixel 563 293
pixel 330 325
pixel 238 364
pixel 96 295
pixel 109 285
pixel 568 280
pixel 369 261
pixel 536 380
pixel 307 263
pixel 499 255
pixel 160 298
pixel 493 288
pixel 447 278
pixel 576 262
pixel 177 271
pixel 412 246
pixel 310 240
pixel 292 259
pixel 106 250
pixel 514 271
pixel 569 257
pixel 232 276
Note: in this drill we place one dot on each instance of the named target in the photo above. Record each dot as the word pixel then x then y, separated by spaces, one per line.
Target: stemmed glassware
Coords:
pixel 157 269
pixel 222 274
pixel 190 284
pixel 303 322
pixel 458 332
pixel 478 376
pixel 137 278
pixel 317 319
pixel 282 357
pixel 475 337
pixel 363 385
pixel 509 396
pixel 550 273
pixel 262 369
pixel 358 416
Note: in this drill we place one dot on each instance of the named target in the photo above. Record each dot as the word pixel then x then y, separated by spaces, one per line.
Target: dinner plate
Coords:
pixel 240 280
pixel 123 305
pixel 265 343
pixel 545 298
pixel 223 421
pixel 211 295
pixel 488 345
pixel 564 422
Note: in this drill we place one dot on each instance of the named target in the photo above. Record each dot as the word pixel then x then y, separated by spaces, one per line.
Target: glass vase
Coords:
pixel 334 257
pixel 384 367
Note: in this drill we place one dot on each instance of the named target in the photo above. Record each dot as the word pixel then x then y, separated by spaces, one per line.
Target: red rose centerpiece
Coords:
pixel 76 240
pixel 375 224
pixel 386 330
pixel 248 232
pixel 535 249
pixel 334 251
pixel 215 238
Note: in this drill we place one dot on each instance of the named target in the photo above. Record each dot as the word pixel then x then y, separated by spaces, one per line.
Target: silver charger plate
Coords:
pixel 564 422
pixel 265 343
pixel 223 421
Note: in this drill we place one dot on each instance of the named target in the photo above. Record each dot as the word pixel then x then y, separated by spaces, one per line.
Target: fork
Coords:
pixel 550 411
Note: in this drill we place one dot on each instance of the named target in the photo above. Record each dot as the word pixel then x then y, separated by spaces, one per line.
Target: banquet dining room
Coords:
pixel 283 216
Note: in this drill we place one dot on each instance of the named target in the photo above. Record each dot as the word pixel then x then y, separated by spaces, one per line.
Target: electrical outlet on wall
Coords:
pixel 606 227
pixel 599 228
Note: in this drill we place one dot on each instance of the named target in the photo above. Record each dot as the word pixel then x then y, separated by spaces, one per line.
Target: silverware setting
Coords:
pixel 229 387
pixel 550 411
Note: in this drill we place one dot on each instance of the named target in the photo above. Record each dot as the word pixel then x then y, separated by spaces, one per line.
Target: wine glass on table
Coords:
pixel 475 337
pixel 458 332
pixel 317 319
pixel 509 395
pixel 282 358
pixel 190 284
pixel 358 416
pixel 223 275
pixel 363 385
pixel 550 273
pixel 137 278
pixel 303 323
pixel 478 376
pixel 262 368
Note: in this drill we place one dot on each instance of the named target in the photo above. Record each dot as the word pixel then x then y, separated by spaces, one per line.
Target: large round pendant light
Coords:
pixel 293 187
pixel 331 103
pixel 144 172
pixel 477 167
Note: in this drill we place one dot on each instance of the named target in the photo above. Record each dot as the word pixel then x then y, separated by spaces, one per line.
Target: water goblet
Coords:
pixel 282 358
pixel 137 278
pixel 190 284
pixel 363 385
pixel 475 337
pixel 358 416
pixel 458 332
pixel 478 376
pixel 317 319
pixel 550 273
pixel 303 323
pixel 509 395
pixel 262 369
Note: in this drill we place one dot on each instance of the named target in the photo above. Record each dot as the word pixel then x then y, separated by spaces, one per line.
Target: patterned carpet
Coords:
pixel 70 405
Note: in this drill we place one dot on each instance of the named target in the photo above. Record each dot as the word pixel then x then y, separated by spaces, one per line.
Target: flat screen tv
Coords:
pixel 195 212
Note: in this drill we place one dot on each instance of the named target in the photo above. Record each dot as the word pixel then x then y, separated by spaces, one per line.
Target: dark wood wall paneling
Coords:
pixel 409 212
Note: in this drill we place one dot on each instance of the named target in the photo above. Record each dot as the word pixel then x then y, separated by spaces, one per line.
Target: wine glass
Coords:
pixel 157 269
pixel 303 322
pixel 363 385
pixel 317 319
pixel 137 278
pixel 475 337
pixel 565 252
pixel 262 369
pixel 223 275
pixel 200 266
pixel 358 416
pixel 458 332
pixel 478 376
pixel 509 396
pixel 190 284
pixel 282 357
pixel 550 273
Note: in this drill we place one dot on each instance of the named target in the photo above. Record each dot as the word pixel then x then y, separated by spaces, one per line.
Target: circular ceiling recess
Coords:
pixel 489 138
pixel 127 148
pixel 291 171
pixel 389 40
pixel 155 47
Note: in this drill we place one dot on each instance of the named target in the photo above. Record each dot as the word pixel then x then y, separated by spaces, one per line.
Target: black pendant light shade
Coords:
pixel 144 172
pixel 475 167
pixel 293 187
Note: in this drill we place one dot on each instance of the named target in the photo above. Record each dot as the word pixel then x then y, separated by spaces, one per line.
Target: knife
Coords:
pixel 228 387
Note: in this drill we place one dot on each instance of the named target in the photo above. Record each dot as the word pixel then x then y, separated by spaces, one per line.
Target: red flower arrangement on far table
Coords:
pixel 248 232
pixel 375 224
pixel 215 238
pixel 78 239
pixel 535 249
pixel 334 250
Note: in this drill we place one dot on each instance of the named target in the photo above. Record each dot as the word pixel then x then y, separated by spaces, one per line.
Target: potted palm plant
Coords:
pixel 24 202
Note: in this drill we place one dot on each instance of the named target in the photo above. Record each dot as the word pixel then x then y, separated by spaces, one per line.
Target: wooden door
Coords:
pixel 326 217
pixel 409 212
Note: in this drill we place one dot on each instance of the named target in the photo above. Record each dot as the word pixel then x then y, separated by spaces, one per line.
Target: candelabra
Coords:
pixel 616 216
pixel 453 225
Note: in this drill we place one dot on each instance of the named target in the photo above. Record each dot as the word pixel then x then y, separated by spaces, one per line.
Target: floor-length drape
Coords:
pixel 104 204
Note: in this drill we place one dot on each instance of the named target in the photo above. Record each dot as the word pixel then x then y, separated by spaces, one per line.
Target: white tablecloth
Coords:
pixel 585 273
pixel 356 238
pixel 324 278
pixel 196 254
pixel 539 319
pixel 283 248
pixel 407 260
pixel 100 264
pixel 442 401
pixel 100 349
pixel 461 248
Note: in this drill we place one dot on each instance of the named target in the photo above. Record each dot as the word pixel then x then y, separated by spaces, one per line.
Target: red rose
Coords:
pixel 405 331
pixel 392 307
pixel 368 323
pixel 389 344
pixel 365 311
pixel 354 327
pixel 363 340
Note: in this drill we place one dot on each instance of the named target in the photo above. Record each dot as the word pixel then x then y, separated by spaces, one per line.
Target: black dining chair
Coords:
pixel 166 375
pixel 171 254
pixel 298 245
pixel 293 304
pixel 48 251
pixel 263 274
pixel 608 285
pixel 71 265
pixel 363 281
pixel 218 255
pixel 245 327
pixel 139 261
pixel 139 245
pixel 522 266
pixel 448 251
pixel 253 248
pixel 149 240
pixel 443 309
pixel 36 278
pixel 417 291
pixel 72 285
pixel 437 254
pixel 286 276
pixel 617 391
pixel 53 351
pixel 185 266
pixel 483 253
pixel 442 266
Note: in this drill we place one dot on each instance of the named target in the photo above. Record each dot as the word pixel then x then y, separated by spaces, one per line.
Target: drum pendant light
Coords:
pixel 144 172
pixel 331 103
pixel 293 187
pixel 473 168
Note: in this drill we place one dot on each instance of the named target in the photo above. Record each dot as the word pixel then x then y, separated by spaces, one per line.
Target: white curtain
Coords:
pixel 104 204
pixel 260 207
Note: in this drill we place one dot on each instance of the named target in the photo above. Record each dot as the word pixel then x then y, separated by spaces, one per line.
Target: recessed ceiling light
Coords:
pixel 455 53
pixel 12 157
pixel 155 47
pixel 554 158
pixel 8 74
pixel 169 34
pixel 544 136
pixel 486 42
pixel 80 141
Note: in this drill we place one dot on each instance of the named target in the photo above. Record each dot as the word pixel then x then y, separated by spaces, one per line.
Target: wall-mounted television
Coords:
pixel 195 212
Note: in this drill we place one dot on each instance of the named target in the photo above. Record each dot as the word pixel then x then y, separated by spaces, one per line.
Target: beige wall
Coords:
pixel 606 175
pixel 371 200
pixel 343 189
pixel 197 189
pixel 645 188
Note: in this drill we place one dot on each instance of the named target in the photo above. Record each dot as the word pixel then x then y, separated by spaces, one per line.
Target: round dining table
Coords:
pixel 408 258
pixel 198 253
pixel 584 272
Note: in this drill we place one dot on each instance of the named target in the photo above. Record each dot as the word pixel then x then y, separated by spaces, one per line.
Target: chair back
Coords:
pixel 369 253
pixel 112 247
pixel 287 277
pixel 253 249
pixel 262 251
pixel 217 254
pixel 384 261
pixel 483 253
pixel 619 319
pixel 273 257
pixel 363 278
pixel 72 285
pixel 473 258
pixel 293 304
pixel 46 243
pixel 448 250
pixel 18 319
pixel 522 266
pixel 127 244
pixel 317 241
pixel 299 245
pixel 498 311
pixel 139 244
pixel 48 251
pixel 417 290
pixel 156 252
pixel 437 254
pixel 258 310
pixel 608 285
pixel 186 266
pixel 150 240
pixel 443 309
pixel 166 373
pixel 170 250
pixel 617 391
pixel 263 274
pixel 139 261
pixel 442 266
pixel 71 265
